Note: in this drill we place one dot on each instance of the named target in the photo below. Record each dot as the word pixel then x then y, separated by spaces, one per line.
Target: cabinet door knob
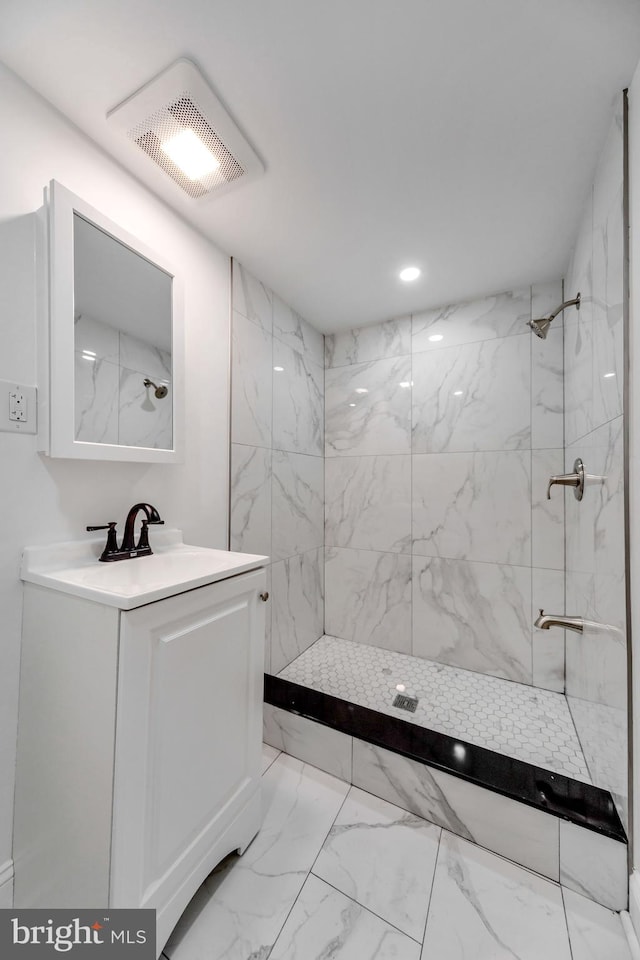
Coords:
pixel 264 596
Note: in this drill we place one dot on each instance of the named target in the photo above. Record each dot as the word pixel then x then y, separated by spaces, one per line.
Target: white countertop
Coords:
pixel 174 567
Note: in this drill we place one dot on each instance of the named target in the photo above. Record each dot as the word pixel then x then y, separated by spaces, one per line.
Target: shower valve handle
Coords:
pixel 575 480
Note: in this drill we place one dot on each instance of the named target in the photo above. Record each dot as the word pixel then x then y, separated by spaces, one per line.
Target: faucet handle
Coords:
pixel 112 544
pixel 575 480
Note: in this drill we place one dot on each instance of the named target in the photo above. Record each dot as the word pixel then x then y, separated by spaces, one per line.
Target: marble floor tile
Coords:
pixel 595 933
pixel 239 910
pixel 486 908
pixel 511 718
pixel 269 754
pixel 382 857
pixel 325 924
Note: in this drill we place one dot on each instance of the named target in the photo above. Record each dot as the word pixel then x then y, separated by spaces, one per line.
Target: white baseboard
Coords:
pixel 631 920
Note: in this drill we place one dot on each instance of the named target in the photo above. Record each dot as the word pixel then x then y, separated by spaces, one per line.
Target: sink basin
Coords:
pixel 174 567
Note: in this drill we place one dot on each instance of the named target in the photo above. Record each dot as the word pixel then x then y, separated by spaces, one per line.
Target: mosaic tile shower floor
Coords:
pixel 514 719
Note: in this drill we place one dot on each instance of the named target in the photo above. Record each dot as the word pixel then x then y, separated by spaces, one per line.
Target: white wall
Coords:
pixel 46 500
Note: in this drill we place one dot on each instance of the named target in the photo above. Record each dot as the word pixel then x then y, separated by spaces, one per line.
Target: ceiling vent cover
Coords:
pixel 180 124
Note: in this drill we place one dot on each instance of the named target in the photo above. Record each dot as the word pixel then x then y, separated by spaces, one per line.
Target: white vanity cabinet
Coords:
pixel 139 744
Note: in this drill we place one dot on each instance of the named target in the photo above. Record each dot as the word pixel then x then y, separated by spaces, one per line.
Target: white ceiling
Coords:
pixel 457 135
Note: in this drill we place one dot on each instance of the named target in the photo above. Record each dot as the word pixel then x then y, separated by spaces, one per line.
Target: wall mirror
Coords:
pixel 115 357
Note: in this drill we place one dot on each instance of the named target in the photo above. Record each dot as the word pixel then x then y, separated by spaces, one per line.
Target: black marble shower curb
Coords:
pixel 580 803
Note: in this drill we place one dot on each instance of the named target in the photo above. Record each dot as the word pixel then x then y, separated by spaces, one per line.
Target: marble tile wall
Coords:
pixel 277 460
pixel 441 431
pixel 112 404
pixel 594 425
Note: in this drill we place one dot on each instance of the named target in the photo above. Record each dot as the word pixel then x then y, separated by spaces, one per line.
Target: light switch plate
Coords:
pixel 18 407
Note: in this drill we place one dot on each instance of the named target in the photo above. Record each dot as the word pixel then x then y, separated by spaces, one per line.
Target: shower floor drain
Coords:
pixel 406 703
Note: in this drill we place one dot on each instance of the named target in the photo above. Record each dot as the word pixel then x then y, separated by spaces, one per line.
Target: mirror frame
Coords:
pixel 58 364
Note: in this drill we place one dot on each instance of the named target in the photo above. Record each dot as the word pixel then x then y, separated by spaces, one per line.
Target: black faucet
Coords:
pixel 129 549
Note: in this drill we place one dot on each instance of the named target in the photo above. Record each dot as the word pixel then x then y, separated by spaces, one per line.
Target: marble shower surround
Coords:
pixel 594 426
pixel 441 430
pixel 277 475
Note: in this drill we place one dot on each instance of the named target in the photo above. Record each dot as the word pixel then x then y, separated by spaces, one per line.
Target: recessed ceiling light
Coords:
pixel 409 273
pixel 278 369
pixel 189 153
pixel 435 337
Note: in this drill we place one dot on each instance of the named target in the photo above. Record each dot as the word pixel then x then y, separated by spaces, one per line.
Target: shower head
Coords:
pixel 160 391
pixel 541 326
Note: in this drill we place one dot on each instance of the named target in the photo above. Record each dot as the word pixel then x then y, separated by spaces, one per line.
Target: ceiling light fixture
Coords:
pixel 189 153
pixel 409 273
pixel 177 122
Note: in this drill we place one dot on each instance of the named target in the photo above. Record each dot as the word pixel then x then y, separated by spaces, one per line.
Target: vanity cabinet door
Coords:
pixel 188 735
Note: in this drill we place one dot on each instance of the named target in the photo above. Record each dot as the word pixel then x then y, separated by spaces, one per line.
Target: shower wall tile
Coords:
pixel 597 664
pixel 251 298
pixel 368 597
pixel 473 506
pixel 389 339
pixel 297 504
pixel 308 741
pixel 502 315
pixel 143 419
pixel 510 829
pixel 603 736
pixel 251 378
pixel 297 606
pixel 250 499
pixel 548 646
pixel 473 396
pixel 596 660
pixel 291 329
pixel 608 326
pixel 578 361
pixel 277 479
pixel 547 385
pixel 473 615
pixel 547 516
pixel 96 397
pixel 368 408
pixel 594 866
pixel 368 503
pixel 298 391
